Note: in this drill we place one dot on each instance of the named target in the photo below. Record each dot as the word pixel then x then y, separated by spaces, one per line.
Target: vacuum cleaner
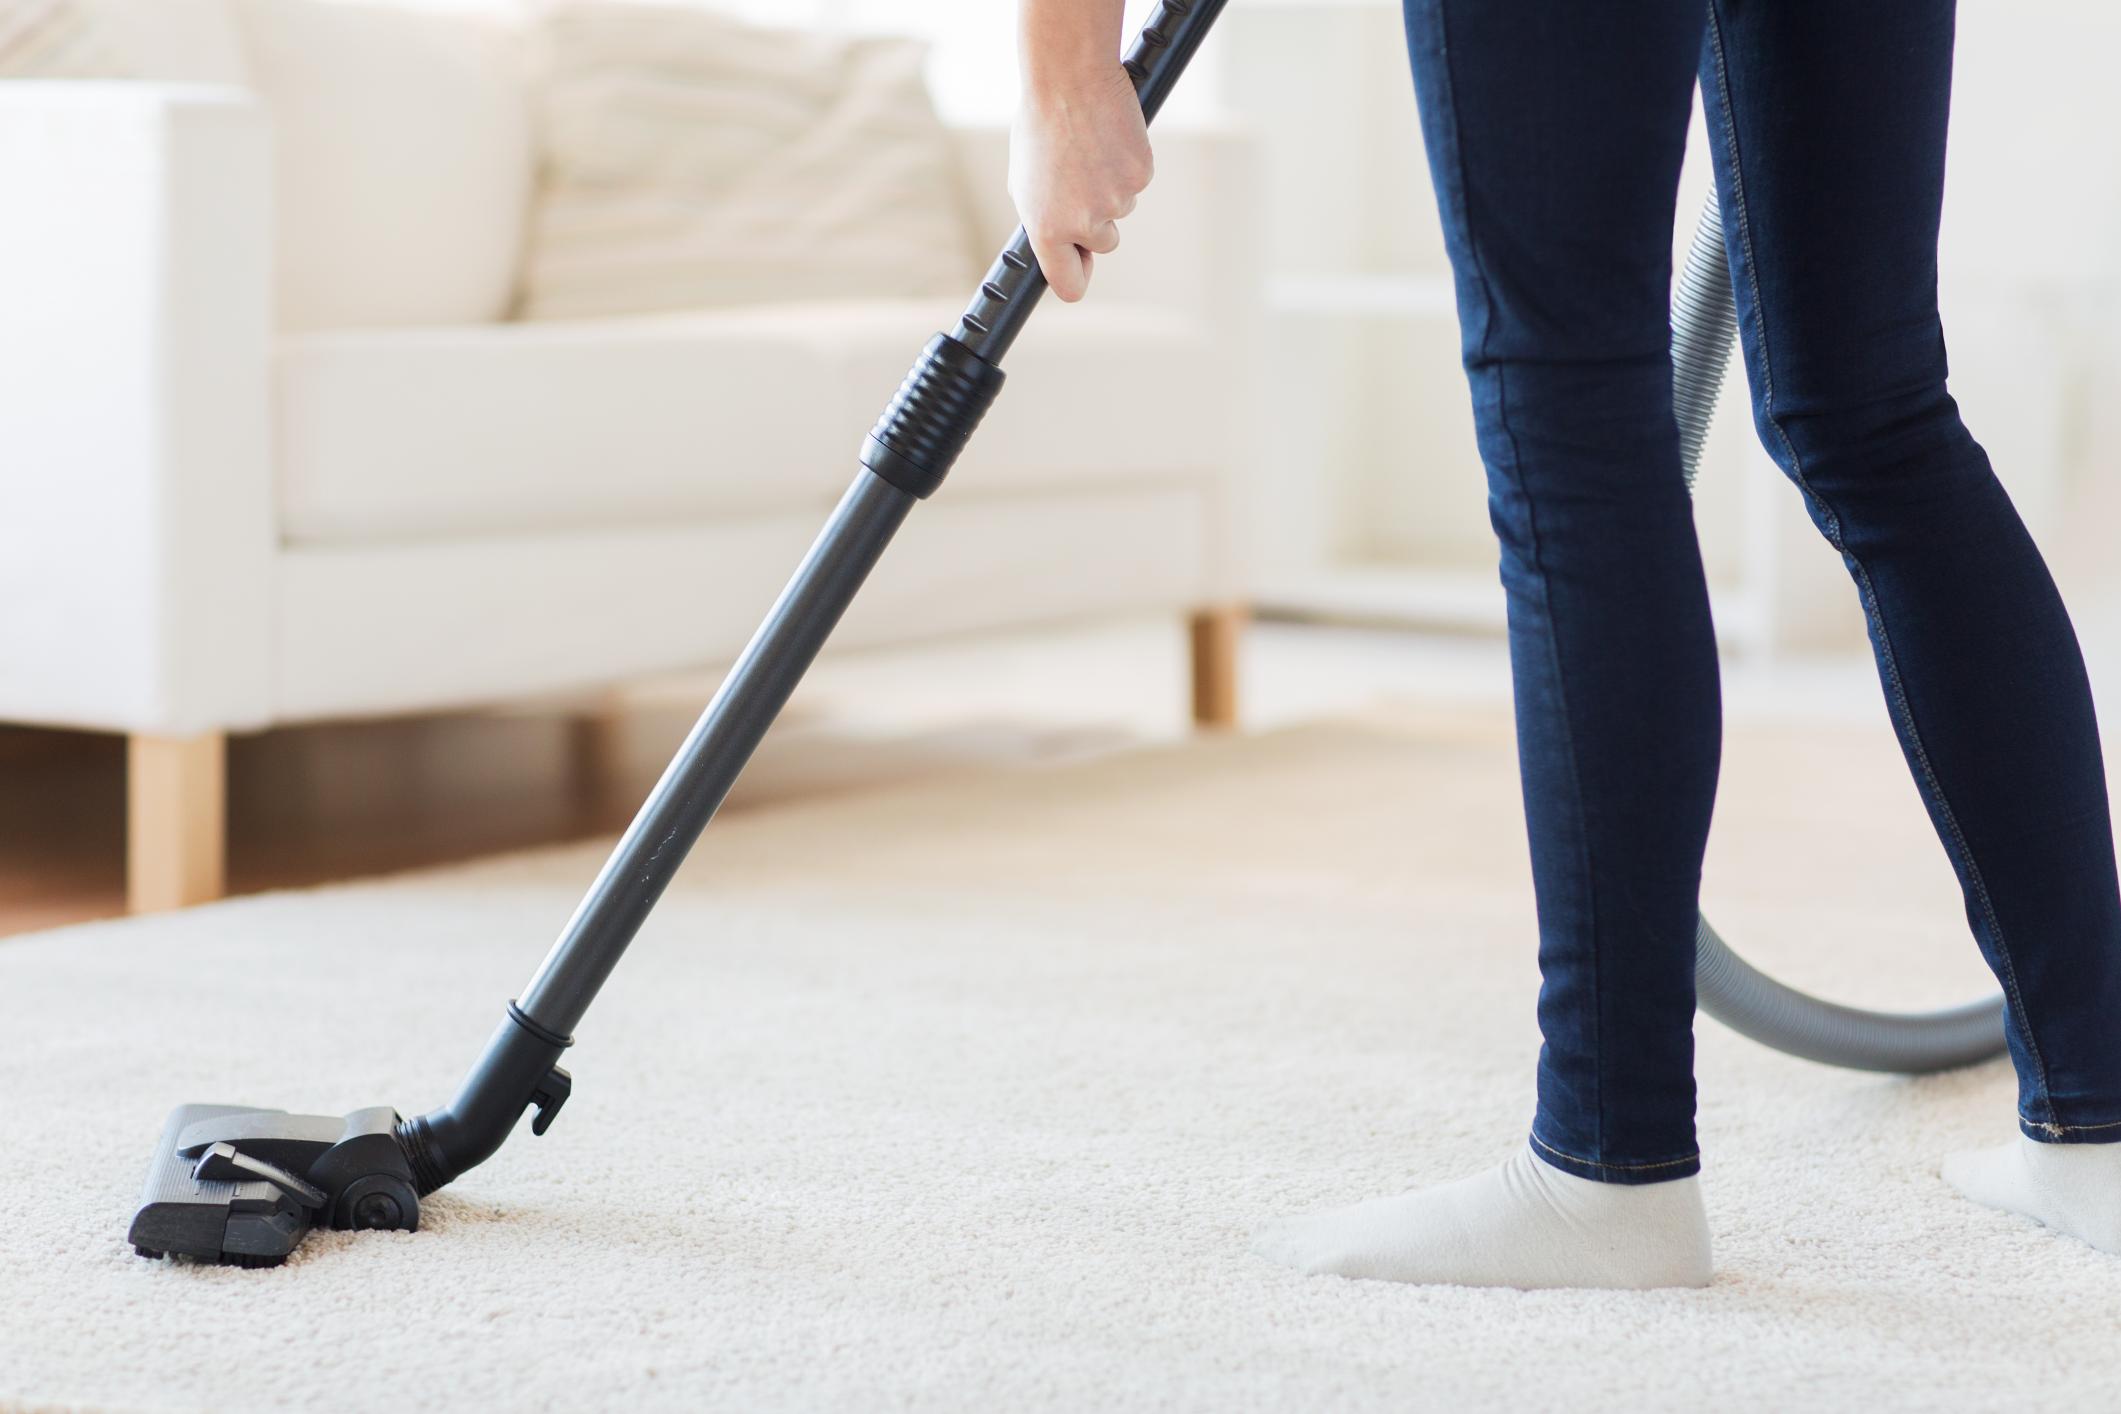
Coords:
pixel 243 1186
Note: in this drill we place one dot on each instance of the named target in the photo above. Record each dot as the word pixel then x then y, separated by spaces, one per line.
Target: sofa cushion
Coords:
pixel 194 41
pixel 401 434
pixel 693 161
pixel 56 39
pixel 403 161
pixel 190 41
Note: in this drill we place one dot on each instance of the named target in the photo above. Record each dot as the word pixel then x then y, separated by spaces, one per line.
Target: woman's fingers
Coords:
pixel 1102 238
pixel 1064 264
pixel 1065 254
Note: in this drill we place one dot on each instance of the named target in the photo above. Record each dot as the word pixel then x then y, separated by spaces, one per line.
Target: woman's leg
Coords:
pixel 1555 134
pixel 1828 124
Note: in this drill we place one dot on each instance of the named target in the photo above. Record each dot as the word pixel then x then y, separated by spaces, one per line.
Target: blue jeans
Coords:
pixel 1555 131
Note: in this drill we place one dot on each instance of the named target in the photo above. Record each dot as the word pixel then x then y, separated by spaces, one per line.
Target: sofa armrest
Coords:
pixel 136 543
pixel 1193 244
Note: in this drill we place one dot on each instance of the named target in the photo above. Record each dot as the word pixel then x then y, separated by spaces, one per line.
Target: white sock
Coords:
pixel 1523 1223
pixel 2072 1188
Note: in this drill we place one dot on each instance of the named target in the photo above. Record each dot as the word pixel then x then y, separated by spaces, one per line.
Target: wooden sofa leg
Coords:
pixel 176 821
pixel 1216 634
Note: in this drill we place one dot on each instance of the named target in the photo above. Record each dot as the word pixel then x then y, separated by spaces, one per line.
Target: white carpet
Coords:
pixel 965 1096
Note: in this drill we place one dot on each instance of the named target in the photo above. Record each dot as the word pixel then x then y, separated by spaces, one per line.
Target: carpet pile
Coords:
pixel 965 1095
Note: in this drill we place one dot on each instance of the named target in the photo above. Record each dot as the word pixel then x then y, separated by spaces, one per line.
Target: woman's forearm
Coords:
pixel 1061 42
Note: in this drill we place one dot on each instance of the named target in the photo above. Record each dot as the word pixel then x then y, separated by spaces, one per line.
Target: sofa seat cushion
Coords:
pixel 510 428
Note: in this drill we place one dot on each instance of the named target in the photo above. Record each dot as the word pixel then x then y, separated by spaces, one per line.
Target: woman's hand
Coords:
pixel 1078 157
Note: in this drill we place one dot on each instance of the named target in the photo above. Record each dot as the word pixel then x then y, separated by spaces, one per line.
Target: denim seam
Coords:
pixel 1693 1158
pixel 1568 736
pixel 2046 1127
pixel 1872 612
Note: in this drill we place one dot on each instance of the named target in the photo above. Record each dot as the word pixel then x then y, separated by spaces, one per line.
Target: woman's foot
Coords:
pixel 1523 1223
pixel 2072 1188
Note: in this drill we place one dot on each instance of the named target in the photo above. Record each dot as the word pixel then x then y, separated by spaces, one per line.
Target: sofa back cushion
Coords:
pixel 190 40
pixel 691 160
pixel 54 39
pixel 403 159
pixel 186 40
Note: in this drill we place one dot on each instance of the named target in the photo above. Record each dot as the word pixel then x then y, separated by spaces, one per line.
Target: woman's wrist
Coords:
pixel 1057 78
pixel 1058 88
pixel 1065 45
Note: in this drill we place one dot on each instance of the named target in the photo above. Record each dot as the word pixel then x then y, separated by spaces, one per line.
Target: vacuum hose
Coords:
pixel 1728 987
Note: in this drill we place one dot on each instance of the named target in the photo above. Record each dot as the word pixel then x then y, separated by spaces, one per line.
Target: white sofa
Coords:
pixel 212 525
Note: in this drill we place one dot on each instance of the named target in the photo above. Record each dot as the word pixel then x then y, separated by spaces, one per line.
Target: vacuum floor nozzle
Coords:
pixel 243 1186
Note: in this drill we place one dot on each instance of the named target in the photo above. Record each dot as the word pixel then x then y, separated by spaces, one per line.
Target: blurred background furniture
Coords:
pixel 274 453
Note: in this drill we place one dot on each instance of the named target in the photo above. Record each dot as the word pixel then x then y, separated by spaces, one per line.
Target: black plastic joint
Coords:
pixel 518 1070
pixel 934 413
pixel 531 1024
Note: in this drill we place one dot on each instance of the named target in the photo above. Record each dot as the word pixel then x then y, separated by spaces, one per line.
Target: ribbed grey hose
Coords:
pixel 1726 985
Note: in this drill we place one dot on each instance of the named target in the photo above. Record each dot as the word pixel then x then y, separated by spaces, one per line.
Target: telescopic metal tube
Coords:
pixel 715 752
pixel 693 788
pixel 907 454
pixel 759 685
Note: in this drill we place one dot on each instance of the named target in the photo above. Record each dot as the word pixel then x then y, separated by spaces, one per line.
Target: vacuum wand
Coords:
pixel 905 458
pixel 243 1185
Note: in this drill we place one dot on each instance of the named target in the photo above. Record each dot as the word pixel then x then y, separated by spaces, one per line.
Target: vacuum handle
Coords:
pixel 1013 284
